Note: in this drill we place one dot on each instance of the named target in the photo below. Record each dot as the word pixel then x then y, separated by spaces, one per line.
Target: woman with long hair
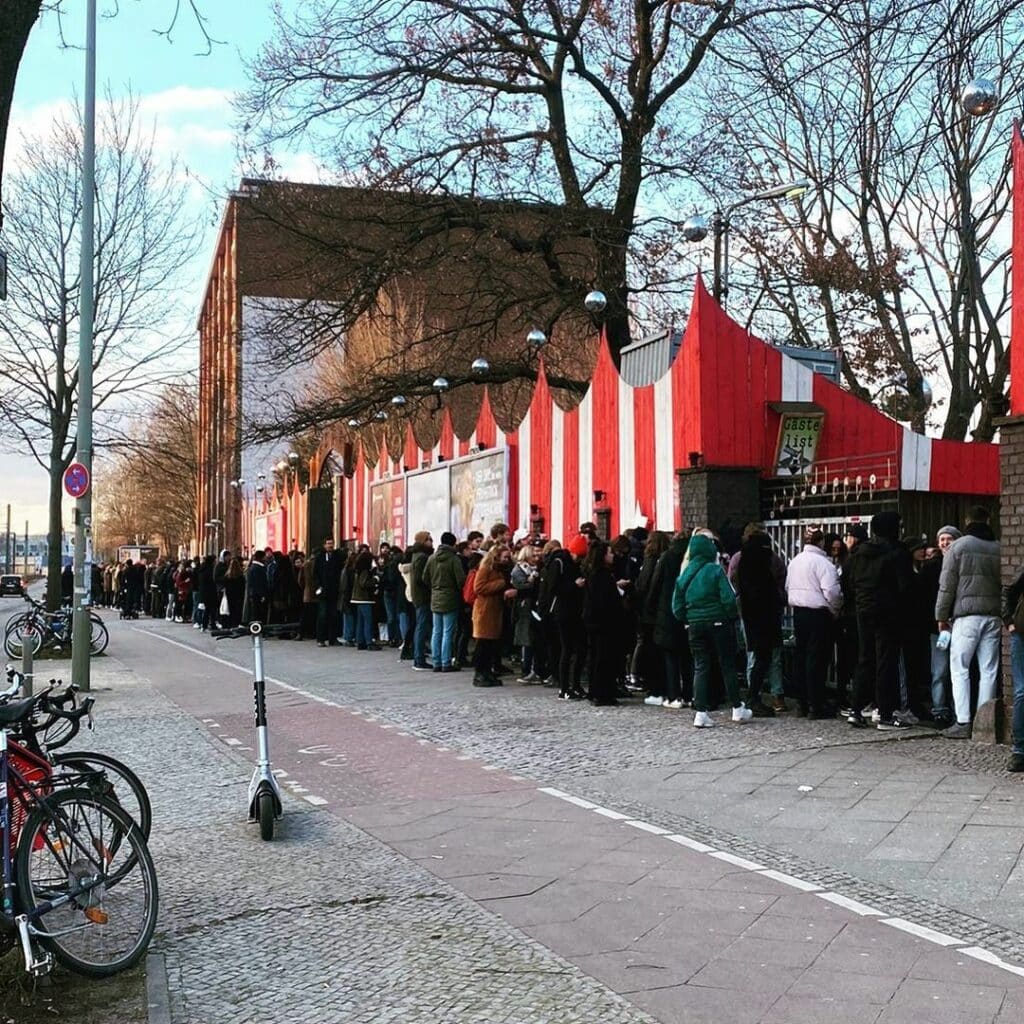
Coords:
pixel 647 668
pixel 364 598
pixel 491 589
pixel 234 591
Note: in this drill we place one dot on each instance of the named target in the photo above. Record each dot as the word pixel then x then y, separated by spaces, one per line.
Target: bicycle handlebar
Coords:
pixel 255 629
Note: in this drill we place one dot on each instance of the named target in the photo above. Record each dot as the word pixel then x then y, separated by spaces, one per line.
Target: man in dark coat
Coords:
pixel 762 598
pixel 669 633
pixel 256 589
pixel 327 566
pixel 67 586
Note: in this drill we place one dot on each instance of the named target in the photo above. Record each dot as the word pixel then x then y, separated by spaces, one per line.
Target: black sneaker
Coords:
pixel 453 667
pixel 418 666
pixel 438 668
pixel 405 656
pixel 857 720
pixel 481 680
pixel 894 724
pixel 1016 763
pixel 758 710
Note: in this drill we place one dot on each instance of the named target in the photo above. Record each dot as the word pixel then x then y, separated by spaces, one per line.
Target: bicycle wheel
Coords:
pixel 98 635
pixel 123 786
pixel 265 814
pixel 28 632
pixel 75 841
pixel 16 620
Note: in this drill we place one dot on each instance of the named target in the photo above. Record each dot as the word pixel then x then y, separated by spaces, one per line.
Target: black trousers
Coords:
pixel 570 661
pixel 812 628
pixel 876 678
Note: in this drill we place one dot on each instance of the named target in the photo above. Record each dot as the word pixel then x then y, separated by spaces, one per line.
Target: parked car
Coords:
pixel 11 585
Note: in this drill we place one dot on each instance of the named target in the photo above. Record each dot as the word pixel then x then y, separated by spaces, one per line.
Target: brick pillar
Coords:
pixel 724 498
pixel 1011 535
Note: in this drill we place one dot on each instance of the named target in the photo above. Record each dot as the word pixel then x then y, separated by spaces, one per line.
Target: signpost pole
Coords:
pixel 80 664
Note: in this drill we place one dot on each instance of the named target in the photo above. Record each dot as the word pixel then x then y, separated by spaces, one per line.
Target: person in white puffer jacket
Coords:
pixel 814 594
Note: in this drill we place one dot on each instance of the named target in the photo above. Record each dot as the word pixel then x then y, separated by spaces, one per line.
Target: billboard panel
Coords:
pixel 478 494
pixel 387 513
pixel 427 502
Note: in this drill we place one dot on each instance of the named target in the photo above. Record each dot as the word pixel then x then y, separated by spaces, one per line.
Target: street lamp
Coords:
pixel 696 228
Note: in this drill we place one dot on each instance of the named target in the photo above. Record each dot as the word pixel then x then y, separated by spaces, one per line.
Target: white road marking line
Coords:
pixel 316 801
pixel 990 958
pixel 791 880
pixel 691 844
pixel 607 812
pixel 740 862
pixel 847 904
pixel 644 826
pixel 231 741
pixel 464 757
pixel 491 768
pixel 930 934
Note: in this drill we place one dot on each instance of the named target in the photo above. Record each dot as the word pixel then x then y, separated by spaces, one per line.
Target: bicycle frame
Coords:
pixel 24 923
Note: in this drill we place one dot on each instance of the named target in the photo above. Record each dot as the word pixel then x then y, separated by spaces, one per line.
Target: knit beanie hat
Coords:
pixel 886 524
pixel 951 530
pixel 579 545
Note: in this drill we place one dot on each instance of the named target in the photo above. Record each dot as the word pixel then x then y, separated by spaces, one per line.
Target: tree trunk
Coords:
pixel 16 20
pixel 54 535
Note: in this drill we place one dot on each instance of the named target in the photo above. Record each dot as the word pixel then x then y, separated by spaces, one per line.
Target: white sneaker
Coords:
pixel 665 702
pixel 675 705
pixel 702 720
pixel 742 714
pixel 876 716
pixel 197 625
pixel 654 702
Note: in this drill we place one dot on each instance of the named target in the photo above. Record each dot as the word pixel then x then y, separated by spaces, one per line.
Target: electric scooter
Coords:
pixel 264 793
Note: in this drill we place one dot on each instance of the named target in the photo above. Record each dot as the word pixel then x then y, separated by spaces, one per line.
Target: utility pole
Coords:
pixel 26 547
pixel 7 541
pixel 80 630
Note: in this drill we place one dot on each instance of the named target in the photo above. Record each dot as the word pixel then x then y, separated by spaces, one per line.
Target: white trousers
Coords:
pixel 974 634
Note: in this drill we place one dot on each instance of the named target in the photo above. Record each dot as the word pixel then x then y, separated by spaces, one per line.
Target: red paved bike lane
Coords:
pixel 683 931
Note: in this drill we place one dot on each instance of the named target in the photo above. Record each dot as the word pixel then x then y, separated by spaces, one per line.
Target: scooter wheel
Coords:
pixel 265 814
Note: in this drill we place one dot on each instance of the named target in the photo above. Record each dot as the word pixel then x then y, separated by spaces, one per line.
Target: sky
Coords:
pixel 185 98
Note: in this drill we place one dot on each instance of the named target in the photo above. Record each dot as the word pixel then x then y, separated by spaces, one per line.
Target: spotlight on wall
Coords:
pixel 599 496
pixel 696 459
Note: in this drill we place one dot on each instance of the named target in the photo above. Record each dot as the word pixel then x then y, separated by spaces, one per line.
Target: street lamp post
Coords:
pixel 695 229
pixel 80 628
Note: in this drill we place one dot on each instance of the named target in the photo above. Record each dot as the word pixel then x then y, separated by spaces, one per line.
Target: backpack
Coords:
pixel 469 588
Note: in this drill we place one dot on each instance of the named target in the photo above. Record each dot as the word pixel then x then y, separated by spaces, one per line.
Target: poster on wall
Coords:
pixel 478 495
pixel 427 503
pixel 798 443
pixel 387 513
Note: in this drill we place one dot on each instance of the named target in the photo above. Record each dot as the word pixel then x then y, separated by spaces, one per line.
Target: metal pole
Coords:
pixel 716 284
pixel 26 664
pixel 725 259
pixel 26 547
pixel 80 664
pixel 7 542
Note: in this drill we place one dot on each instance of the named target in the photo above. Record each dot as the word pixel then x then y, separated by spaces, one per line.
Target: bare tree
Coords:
pixel 899 256
pixel 148 483
pixel 141 245
pixel 18 18
pixel 584 105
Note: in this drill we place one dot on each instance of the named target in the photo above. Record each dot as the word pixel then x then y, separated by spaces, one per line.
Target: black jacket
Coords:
pixel 327 574
pixel 668 631
pixel 882 576
pixel 559 596
pixel 757 588
pixel 602 608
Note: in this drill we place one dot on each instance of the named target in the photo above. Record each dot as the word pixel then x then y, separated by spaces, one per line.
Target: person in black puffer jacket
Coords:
pixel 668 633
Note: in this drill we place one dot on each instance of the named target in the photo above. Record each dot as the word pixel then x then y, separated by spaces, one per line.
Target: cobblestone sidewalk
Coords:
pixel 324 924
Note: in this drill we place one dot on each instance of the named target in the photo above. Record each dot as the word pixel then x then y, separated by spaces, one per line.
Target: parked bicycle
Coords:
pixel 77 877
pixel 41 630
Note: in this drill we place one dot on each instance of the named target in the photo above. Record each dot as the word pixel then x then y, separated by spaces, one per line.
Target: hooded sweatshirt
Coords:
pixel 702 592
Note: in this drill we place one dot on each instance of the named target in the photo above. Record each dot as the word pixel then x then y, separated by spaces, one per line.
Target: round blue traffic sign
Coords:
pixel 76 480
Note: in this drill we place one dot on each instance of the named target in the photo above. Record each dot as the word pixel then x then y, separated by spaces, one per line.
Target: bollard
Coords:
pixel 26 665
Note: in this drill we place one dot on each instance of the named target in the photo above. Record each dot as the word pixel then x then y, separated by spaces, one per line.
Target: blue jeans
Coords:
pixel 419 636
pixel 719 638
pixel 348 626
pixel 1017 668
pixel 774 670
pixel 941 680
pixel 364 625
pixel 395 633
pixel 443 637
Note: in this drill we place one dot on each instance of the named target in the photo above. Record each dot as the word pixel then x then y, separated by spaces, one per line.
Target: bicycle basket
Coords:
pixel 37 775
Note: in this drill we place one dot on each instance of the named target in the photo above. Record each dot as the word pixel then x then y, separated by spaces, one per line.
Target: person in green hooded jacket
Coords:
pixel 705 601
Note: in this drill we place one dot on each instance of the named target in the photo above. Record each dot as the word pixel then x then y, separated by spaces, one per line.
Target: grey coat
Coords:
pixel 526 584
pixel 970 583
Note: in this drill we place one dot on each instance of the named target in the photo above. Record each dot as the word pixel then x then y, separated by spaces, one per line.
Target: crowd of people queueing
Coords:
pixel 898 624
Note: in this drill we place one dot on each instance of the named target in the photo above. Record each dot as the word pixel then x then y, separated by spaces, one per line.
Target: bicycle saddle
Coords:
pixel 17 711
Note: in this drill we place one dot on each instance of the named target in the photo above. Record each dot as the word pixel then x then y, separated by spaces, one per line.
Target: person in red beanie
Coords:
pixel 579 546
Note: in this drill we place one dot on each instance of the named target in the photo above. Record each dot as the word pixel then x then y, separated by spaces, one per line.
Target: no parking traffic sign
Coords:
pixel 76 480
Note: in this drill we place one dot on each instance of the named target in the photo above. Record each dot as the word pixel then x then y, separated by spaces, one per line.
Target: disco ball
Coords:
pixel 440 385
pixel 380 416
pixel 695 228
pixel 398 402
pixel 353 423
pixel 595 302
pixel 481 367
pixel 537 337
pixel 979 97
